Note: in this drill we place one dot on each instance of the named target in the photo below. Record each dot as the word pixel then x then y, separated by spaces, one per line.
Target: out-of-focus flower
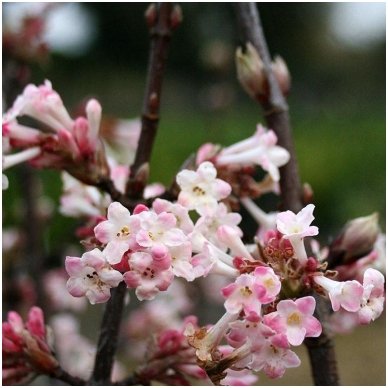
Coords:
pixel 26 351
pixel 356 240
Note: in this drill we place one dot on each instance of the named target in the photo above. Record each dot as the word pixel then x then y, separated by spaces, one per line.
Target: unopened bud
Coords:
pixel 355 241
pixel 176 16
pixel 308 193
pixel 151 15
pixel 280 70
pixel 250 71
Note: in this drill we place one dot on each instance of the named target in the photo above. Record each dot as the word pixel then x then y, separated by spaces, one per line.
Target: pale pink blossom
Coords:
pixel 181 262
pixel 205 341
pixel 372 302
pixel 118 232
pixel 243 295
pixel 259 149
pixel 347 294
pixel 183 220
pixel 55 287
pixel 81 200
pixel 158 230
pixel 208 225
pixel 267 221
pixel 231 238
pixel 295 319
pixel 153 190
pixel 201 190
pixel 147 276
pixel 91 276
pixel 295 227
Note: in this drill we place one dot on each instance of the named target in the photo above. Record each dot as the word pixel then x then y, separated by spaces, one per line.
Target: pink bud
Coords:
pixel 35 323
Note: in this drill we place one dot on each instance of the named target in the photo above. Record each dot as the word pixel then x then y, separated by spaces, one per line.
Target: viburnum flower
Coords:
pixel 17 158
pixel 205 341
pixel 159 230
pixel 118 232
pixel 26 351
pixel 231 238
pixel 295 227
pixel 295 319
pixel 201 190
pixel 347 294
pixel 259 149
pixel 147 275
pixel 68 144
pixel 92 276
pixel 183 220
pixel 269 350
pixel 372 302
pixel 208 224
pixel 250 291
pixel 267 221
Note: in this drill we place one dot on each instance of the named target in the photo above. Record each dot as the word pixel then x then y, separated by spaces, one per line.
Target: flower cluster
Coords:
pixel 64 143
pixel 147 248
pixel 26 351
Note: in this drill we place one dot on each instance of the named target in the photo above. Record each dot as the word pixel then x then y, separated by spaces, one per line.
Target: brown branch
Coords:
pixel 107 342
pixel 321 350
pixel 62 375
pixel 162 20
pixel 275 106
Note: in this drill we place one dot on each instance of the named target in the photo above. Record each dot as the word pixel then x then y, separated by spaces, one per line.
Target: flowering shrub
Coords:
pixel 270 286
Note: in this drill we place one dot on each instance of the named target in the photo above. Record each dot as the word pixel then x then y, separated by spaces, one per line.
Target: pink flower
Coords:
pixel 260 149
pixel 230 237
pixel 295 227
pixel 295 319
pixel 372 302
pixel 91 276
pixel 183 220
pixel 159 230
pixel 347 294
pixel 208 225
pixel 147 276
pixel 244 294
pixel 269 282
pixel 118 232
pixel 201 190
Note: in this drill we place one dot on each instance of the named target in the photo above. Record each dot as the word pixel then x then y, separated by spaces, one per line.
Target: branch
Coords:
pixel 62 375
pixel 107 342
pixel 162 20
pixel 321 350
pixel 275 106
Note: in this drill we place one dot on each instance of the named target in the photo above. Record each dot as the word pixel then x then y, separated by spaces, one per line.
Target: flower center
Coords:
pixel 245 291
pixel 124 231
pixel 198 191
pixel 294 319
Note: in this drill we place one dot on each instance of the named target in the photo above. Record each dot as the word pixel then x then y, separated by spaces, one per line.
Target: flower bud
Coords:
pixel 250 71
pixel 176 16
pixel 355 241
pixel 280 70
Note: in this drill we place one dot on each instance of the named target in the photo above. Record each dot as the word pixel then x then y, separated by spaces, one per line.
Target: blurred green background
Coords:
pixel 336 56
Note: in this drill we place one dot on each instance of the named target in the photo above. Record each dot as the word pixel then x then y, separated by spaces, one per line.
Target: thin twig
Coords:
pixel 275 107
pixel 162 19
pixel 107 342
pixel 62 375
pixel 321 350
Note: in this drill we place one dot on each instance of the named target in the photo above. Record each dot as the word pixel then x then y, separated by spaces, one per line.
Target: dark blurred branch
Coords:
pixel 275 106
pixel 107 342
pixel 62 375
pixel 321 350
pixel 162 20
